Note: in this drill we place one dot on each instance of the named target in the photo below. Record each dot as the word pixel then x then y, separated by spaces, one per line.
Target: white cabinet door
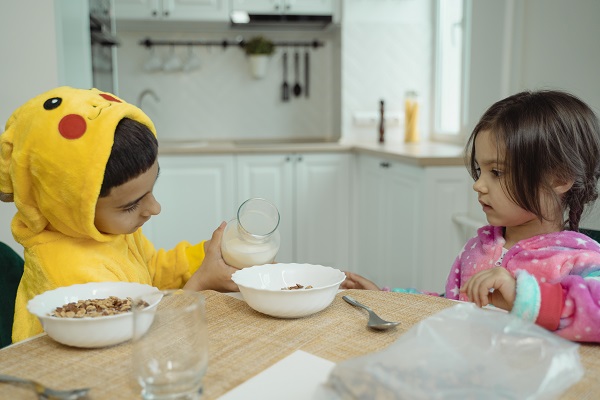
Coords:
pixel 447 192
pixel 196 194
pixel 257 6
pixel 197 10
pixel 174 10
pixel 389 223
pixel 269 7
pixel 270 176
pixel 311 192
pixel 406 236
pixel 323 205
pixel 308 7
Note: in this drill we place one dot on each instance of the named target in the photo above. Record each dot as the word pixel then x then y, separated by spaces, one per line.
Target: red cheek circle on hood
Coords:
pixel 72 126
pixel 109 97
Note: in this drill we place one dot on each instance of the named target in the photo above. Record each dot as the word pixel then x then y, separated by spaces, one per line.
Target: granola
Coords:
pixel 95 308
pixel 296 287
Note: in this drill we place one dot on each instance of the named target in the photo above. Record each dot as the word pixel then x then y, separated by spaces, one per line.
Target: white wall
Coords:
pixel 222 100
pixel 29 67
pixel 386 51
pixel 41 49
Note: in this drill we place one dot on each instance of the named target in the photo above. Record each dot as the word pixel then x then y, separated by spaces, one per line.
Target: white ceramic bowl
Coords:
pixel 261 286
pixel 90 332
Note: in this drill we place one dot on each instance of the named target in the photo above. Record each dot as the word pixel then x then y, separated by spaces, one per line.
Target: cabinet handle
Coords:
pixel 384 164
pixel 166 13
pixel 154 13
pixel 299 158
pixel 277 7
pixel 287 158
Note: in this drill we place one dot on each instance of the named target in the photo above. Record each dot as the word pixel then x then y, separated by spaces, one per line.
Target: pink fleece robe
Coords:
pixel 557 274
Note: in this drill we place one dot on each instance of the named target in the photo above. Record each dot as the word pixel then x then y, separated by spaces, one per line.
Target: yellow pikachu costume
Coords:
pixel 53 154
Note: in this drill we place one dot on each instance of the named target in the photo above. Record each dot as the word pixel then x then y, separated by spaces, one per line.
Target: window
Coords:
pixel 449 69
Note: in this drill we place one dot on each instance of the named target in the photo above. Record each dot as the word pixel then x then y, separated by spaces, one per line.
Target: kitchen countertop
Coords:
pixel 420 154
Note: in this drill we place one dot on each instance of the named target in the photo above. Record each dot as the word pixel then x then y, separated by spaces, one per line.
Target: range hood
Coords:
pixel 243 19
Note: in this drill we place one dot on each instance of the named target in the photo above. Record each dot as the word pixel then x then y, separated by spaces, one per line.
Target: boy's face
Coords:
pixel 128 206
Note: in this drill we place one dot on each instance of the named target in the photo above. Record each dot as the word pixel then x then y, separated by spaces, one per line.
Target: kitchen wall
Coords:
pixel 382 50
pixel 221 100
pixel 386 50
pixel 29 67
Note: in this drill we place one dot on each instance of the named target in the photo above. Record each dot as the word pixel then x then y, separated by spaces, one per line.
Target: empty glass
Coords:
pixel 252 238
pixel 193 61
pixel 171 357
pixel 154 63
pixel 173 63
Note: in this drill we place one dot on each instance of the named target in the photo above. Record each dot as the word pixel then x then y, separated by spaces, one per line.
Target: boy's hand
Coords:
pixel 356 281
pixel 214 273
pixel 502 282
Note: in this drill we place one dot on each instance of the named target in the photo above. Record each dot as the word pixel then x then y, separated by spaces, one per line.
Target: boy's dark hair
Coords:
pixel 134 151
pixel 546 137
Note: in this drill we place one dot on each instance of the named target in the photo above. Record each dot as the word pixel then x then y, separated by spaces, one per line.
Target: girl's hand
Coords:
pixel 355 281
pixel 213 273
pixel 504 287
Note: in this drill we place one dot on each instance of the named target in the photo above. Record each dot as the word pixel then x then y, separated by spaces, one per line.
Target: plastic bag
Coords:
pixel 462 352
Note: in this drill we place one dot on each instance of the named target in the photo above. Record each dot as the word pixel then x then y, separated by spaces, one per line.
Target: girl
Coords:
pixel 535 159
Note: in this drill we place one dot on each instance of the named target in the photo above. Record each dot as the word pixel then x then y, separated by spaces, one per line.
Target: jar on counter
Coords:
pixel 411 117
pixel 252 238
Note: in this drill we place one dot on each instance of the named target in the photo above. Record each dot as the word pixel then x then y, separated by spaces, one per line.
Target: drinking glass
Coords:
pixel 193 61
pixel 252 238
pixel 154 63
pixel 173 63
pixel 170 357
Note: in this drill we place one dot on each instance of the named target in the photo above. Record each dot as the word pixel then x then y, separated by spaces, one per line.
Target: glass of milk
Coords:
pixel 252 238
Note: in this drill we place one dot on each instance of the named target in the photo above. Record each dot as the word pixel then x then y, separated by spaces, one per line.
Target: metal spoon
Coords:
pixel 375 322
pixel 297 89
pixel 47 393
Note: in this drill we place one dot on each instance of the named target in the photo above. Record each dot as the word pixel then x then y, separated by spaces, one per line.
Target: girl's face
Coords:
pixel 128 206
pixel 499 209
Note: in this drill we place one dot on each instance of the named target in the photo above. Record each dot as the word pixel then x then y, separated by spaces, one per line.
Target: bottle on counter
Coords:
pixel 411 117
pixel 252 238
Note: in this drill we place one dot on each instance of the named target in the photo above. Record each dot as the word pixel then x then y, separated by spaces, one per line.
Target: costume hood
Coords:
pixel 53 154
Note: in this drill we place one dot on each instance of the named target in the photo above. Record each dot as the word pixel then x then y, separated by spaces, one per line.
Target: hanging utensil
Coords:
pixel 306 68
pixel 285 90
pixel 297 89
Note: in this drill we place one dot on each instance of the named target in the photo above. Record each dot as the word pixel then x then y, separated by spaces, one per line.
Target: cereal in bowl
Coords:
pixel 94 308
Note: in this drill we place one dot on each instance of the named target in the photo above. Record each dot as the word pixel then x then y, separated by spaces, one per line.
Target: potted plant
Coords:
pixel 259 50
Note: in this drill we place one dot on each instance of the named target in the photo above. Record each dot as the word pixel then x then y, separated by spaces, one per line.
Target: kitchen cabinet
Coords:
pixel 290 7
pixel 172 10
pixel 196 193
pixel 312 193
pixel 406 236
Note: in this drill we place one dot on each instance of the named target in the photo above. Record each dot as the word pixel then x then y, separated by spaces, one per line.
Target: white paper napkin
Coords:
pixel 295 377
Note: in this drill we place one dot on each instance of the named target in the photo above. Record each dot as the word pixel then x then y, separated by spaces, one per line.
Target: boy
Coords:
pixel 80 166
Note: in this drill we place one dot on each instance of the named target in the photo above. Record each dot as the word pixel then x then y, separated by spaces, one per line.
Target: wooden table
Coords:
pixel 243 343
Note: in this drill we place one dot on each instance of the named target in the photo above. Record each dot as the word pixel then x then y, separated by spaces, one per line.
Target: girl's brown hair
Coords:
pixel 546 137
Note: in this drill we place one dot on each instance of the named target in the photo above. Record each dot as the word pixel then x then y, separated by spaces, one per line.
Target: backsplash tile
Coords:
pixel 222 100
pixel 382 50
